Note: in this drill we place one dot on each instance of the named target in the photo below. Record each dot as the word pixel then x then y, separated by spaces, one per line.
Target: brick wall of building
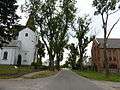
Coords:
pixel 113 56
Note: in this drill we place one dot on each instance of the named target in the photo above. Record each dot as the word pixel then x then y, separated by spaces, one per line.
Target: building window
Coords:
pixel 110 58
pixel 25 53
pixel 113 66
pixel 114 58
pixel 5 55
pixel 24 60
pixel 26 34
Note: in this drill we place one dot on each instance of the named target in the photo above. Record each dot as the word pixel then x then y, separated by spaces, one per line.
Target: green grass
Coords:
pixel 99 76
pixel 42 74
pixel 7 72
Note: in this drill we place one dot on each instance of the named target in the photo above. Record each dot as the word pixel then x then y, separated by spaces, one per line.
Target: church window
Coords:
pixel 26 34
pixel 24 60
pixel 5 55
pixel 114 58
pixel 113 66
pixel 25 53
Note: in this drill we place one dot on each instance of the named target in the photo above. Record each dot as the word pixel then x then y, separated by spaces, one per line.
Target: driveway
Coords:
pixel 64 80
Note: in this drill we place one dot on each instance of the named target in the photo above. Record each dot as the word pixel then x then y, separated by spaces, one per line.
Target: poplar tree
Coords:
pixel 53 17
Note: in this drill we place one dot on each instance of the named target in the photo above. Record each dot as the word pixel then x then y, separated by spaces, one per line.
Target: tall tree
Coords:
pixel 54 18
pixel 83 41
pixel 41 51
pixel 64 20
pixel 72 55
pixel 44 14
pixel 106 8
pixel 8 18
pixel 47 24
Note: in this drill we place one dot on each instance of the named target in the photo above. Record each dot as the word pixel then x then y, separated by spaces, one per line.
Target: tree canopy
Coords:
pixel 8 18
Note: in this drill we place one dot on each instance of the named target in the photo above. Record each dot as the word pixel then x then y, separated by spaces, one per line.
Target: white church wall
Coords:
pixel 29 41
pixel 28 58
pixel 10 55
pixel 26 49
pixel 17 52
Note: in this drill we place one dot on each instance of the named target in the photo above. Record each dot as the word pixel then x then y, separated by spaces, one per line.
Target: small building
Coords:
pixel 22 49
pixel 113 53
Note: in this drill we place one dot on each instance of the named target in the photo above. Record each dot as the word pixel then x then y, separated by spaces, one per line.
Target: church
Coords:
pixel 23 48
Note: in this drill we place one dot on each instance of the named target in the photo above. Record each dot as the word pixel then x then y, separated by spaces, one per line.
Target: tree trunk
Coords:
pixel 57 62
pixel 81 55
pixel 51 62
pixel 106 65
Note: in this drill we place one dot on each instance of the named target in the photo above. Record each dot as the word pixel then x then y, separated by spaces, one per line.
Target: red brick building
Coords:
pixel 113 53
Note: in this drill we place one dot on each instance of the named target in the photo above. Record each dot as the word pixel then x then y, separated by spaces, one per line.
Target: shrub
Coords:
pixel 35 65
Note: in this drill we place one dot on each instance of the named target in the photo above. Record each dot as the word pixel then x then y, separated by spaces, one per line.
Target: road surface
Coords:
pixel 64 80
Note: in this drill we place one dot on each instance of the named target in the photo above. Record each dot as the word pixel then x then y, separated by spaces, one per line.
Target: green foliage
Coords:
pixel 66 65
pixel 64 19
pixel 8 18
pixel 36 65
pixel 41 51
pixel 31 22
pixel 72 55
pixel 104 6
pixel 54 18
pixel 83 41
pixel 39 66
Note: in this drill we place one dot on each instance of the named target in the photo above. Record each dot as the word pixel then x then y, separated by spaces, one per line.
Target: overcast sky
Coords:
pixel 85 8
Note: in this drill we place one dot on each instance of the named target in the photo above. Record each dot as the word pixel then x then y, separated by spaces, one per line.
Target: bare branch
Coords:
pixel 103 19
pixel 107 18
pixel 113 12
pixel 41 30
pixel 113 27
pixel 73 27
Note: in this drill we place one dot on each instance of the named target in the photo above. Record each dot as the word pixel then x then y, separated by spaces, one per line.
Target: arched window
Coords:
pixel 5 55
pixel 26 34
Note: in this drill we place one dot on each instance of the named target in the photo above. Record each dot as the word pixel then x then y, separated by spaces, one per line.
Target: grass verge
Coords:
pixel 98 76
pixel 42 74
pixel 7 72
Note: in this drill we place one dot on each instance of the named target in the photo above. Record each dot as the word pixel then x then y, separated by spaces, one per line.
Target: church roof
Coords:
pixel 31 22
pixel 111 42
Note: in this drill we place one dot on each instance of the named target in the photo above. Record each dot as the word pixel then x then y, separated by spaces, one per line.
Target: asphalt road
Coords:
pixel 64 80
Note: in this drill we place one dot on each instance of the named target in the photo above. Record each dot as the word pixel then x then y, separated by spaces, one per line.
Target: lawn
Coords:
pixel 7 72
pixel 99 76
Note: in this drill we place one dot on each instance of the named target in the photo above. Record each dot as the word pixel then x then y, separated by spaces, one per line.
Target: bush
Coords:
pixel 44 67
pixel 36 65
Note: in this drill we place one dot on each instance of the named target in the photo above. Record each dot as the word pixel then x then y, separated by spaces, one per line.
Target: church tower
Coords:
pixel 31 22
pixel 29 40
